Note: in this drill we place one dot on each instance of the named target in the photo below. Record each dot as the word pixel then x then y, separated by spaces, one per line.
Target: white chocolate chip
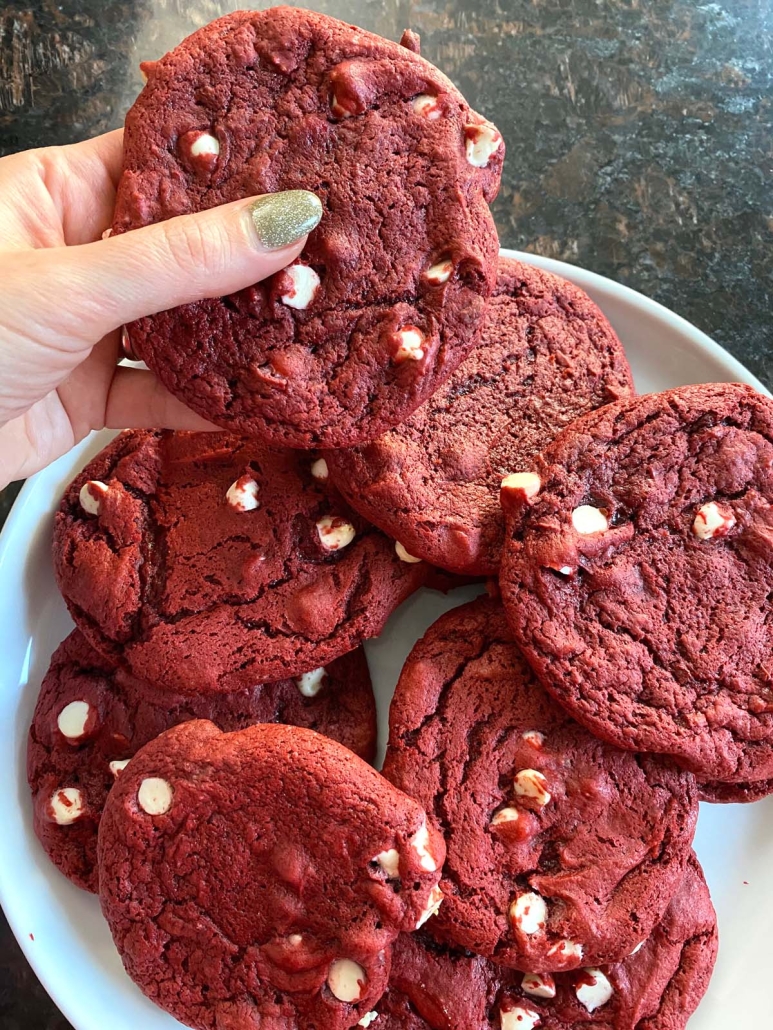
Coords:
pixel 419 843
pixel 481 142
pixel 200 149
pixel 117 767
pixel 427 106
pixel 310 683
pixel 73 719
pixel 505 815
pixel 595 992
pixel 338 109
pixel 389 861
pixel 155 795
pixel 519 1017
pixel 368 1018
pixel 712 521
pixel 529 783
pixel 528 484
pixel 588 520
pixel 566 949
pixel 243 494
pixel 91 495
pixel 529 913
pixel 346 980
pixel 295 940
pixel 539 985
pixel 334 532
pixel 535 738
pixel 403 555
pixel 305 283
pixel 638 947
pixel 66 805
pixel 204 146
pixel 433 904
pixel 319 469
pixel 441 272
pixel 409 344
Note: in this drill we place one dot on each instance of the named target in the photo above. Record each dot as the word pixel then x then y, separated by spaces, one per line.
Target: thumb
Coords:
pixel 212 253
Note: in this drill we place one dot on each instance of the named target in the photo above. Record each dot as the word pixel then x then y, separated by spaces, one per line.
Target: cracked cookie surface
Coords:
pixel 388 295
pixel 259 878
pixel 637 581
pixel 206 562
pixel 432 987
pixel 562 851
pixel 92 716
pixel 717 793
pixel 547 355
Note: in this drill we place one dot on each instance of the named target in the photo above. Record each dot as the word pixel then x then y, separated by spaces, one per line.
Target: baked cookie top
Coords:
pixel 637 580
pixel 259 878
pixel 546 356
pixel 433 987
pixel 389 293
pixel 563 851
pixel 92 716
pixel 209 563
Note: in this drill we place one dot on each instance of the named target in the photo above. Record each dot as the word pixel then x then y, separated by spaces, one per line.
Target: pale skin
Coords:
pixel 65 293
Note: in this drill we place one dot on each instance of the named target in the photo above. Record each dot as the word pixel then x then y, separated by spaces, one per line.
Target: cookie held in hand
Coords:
pixel 389 293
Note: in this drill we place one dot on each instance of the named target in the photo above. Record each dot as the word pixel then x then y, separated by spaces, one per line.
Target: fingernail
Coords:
pixel 282 218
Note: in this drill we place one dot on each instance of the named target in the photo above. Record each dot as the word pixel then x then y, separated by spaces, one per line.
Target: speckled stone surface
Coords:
pixel 638 146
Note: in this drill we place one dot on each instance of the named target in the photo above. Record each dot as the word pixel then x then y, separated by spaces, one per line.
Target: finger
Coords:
pixel 31 441
pixel 137 400
pixel 88 178
pixel 71 187
pixel 83 393
pixel 210 254
pixel 105 150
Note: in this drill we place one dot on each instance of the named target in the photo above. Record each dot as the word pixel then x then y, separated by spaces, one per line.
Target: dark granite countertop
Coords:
pixel 639 145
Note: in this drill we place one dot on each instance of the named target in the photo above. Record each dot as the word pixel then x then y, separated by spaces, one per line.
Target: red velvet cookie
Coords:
pixel 547 355
pixel 92 716
pixel 389 293
pixel 432 987
pixel 562 850
pixel 734 793
pixel 207 562
pixel 259 878
pixel 638 580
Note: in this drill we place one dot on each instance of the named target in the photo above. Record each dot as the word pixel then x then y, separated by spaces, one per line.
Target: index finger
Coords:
pixel 100 152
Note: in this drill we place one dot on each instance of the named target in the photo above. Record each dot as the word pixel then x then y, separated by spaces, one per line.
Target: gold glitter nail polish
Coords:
pixel 282 218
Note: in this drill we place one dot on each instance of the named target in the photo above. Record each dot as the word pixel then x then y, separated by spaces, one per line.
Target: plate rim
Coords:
pixel 600 287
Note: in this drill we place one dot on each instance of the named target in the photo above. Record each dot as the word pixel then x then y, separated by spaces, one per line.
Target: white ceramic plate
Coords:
pixel 60 928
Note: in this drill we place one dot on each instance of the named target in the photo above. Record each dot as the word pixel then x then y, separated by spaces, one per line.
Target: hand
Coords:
pixel 66 293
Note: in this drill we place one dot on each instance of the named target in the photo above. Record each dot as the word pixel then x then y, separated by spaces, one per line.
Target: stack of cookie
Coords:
pixel 401 409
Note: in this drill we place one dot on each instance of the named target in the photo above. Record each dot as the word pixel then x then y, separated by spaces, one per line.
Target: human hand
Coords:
pixel 66 293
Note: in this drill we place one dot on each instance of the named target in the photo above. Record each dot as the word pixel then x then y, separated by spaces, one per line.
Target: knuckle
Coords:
pixel 196 246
